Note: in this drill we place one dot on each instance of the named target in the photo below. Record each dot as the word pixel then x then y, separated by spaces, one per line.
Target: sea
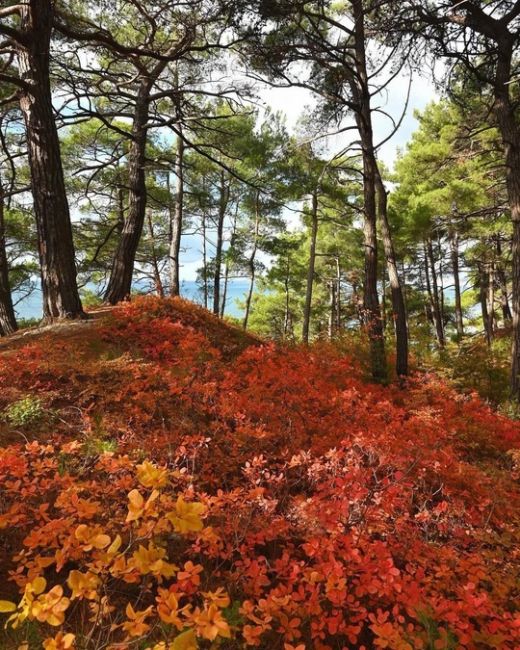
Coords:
pixel 30 307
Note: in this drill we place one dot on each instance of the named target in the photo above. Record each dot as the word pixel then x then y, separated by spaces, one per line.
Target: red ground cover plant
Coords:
pixel 184 485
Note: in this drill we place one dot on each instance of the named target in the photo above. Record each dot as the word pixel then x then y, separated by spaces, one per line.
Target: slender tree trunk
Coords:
pixel 433 292
pixel 383 299
pixel 177 217
pixel 332 308
pixel 120 282
pixel 398 306
pixel 338 296
pixel 504 109
pixel 252 261
pixel 232 241
pixel 205 262
pixel 249 293
pixel 491 297
pixel 287 311
pixel 51 208
pixel 360 89
pixel 223 301
pixel 454 249
pixel 370 299
pixel 224 199
pixel 311 269
pixel 159 288
pixel 483 293
pixel 441 282
pixel 7 317
pixel 502 284
pixel 425 286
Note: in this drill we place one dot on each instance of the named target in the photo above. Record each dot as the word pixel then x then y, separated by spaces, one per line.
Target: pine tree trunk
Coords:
pixel 504 109
pixel 491 298
pixel 311 269
pixel 502 284
pixel 252 262
pixel 224 199
pixel 359 85
pixel 287 310
pixel 223 301
pixel 204 263
pixel 440 257
pixel 338 296
pixel 398 306
pixel 176 225
pixel 232 241
pixel 120 283
pixel 159 288
pixel 55 244
pixel 7 317
pixel 433 292
pixel 332 308
pixel 454 249
pixel 483 292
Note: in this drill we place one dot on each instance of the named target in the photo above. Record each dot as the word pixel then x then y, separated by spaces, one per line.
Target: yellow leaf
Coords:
pixel 185 641
pixel 186 516
pixel 151 476
pixel 91 538
pixel 7 606
pixel 137 506
pixel 115 546
pixel 152 560
pixel 83 585
pixel 60 642
pixel 38 585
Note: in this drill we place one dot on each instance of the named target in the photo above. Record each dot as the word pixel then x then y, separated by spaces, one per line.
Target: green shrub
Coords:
pixel 24 412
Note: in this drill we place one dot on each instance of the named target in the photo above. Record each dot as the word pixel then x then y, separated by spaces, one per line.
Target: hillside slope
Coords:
pixel 169 481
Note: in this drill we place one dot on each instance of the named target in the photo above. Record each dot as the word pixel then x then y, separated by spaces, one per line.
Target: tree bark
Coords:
pixel 454 250
pixel 177 217
pixel 338 296
pixel 398 305
pixel 120 282
pixel 223 302
pixel 311 270
pixel 55 244
pixel 359 85
pixel 157 280
pixel 287 321
pixel 332 308
pixel 252 262
pixel 440 282
pixel 491 298
pixel 223 203
pixel 7 316
pixel 506 118
pixel 502 284
pixel 204 262
pixel 483 292
pixel 433 292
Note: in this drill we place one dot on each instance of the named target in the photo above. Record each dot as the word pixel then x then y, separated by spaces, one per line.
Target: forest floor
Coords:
pixel 169 481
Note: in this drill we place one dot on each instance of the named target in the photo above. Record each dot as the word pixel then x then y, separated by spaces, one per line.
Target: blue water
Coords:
pixel 31 306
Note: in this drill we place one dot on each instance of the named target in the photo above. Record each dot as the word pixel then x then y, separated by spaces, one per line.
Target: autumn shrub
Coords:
pixel 251 495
